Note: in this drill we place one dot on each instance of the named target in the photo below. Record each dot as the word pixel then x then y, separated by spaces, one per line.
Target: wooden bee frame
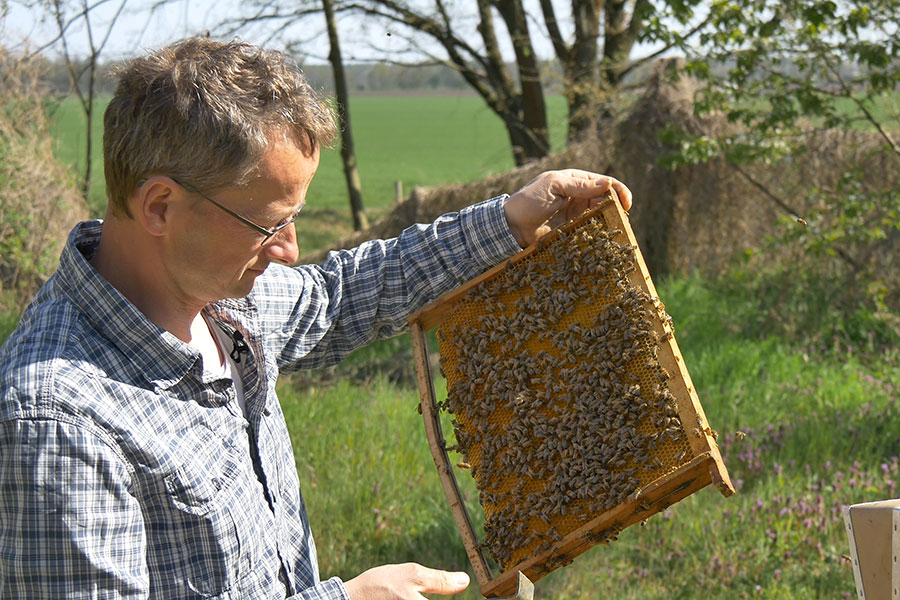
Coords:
pixel 691 462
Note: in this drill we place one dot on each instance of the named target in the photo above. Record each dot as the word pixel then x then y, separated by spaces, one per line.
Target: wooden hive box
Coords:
pixel 571 404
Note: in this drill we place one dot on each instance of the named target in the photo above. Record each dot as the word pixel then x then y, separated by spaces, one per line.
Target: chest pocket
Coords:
pixel 197 487
pixel 209 542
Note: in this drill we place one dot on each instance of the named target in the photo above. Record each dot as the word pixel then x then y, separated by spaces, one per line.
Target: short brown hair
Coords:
pixel 203 110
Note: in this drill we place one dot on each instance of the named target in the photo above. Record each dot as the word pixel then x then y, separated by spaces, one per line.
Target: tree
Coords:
pixel 521 107
pixel 588 71
pixel 789 71
pixel 348 156
pixel 440 33
pixel 83 75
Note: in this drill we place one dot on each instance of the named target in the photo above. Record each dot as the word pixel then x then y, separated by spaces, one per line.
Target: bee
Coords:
pixel 463 465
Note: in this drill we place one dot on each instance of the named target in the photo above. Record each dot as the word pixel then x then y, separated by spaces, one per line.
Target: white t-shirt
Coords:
pixel 228 368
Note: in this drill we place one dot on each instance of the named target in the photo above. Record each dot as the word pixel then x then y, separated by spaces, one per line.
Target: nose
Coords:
pixel 282 248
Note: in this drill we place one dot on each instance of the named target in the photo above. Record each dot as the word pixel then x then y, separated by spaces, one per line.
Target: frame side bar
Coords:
pixel 441 460
pixel 693 418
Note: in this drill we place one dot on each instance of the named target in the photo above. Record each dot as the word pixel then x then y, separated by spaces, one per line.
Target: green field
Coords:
pixel 821 420
pixel 416 140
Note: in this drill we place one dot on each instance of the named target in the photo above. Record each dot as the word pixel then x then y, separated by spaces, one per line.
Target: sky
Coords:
pixel 138 29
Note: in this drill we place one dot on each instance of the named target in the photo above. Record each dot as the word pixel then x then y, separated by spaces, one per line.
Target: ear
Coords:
pixel 156 203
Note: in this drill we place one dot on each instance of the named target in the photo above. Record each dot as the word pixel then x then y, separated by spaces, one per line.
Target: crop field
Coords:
pixel 416 140
pixel 804 428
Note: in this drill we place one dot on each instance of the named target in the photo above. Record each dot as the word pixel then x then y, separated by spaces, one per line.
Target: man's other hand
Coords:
pixel 405 582
pixel 554 197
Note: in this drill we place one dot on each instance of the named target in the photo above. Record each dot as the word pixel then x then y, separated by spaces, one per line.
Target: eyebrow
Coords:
pixel 278 217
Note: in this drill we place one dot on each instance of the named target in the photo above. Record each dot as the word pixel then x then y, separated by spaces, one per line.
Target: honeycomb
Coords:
pixel 560 407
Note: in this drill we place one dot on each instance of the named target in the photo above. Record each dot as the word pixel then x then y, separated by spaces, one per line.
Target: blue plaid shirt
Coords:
pixel 127 471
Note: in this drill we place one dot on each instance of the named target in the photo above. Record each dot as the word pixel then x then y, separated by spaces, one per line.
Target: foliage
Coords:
pixel 779 68
pixel 825 282
pixel 782 73
pixel 9 319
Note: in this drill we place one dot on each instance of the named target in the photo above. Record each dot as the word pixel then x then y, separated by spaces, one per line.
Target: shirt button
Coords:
pixel 266 411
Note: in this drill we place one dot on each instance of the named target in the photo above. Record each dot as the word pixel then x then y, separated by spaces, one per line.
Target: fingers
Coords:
pixel 584 185
pixel 554 197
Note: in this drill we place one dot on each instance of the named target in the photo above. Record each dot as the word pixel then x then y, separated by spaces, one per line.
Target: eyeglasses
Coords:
pixel 267 234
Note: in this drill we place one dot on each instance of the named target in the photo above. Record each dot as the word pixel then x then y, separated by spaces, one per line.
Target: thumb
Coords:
pixel 434 581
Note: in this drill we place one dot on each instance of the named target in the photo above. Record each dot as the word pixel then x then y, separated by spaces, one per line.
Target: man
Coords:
pixel 143 452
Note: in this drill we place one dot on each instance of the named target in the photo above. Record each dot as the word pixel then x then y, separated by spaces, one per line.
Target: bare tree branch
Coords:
pixel 679 40
pixel 110 27
pixel 849 93
pixel 765 190
pixel 556 38
pixel 291 17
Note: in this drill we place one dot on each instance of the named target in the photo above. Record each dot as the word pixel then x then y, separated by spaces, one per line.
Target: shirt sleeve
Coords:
pixel 315 315
pixel 69 528
pixel 332 589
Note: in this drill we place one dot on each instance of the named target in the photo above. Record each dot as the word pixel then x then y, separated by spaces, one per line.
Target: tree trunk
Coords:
pixel 578 61
pixel 348 155
pixel 89 131
pixel 483 69
pixel 581 76
pixel 622 31
pixel 534 110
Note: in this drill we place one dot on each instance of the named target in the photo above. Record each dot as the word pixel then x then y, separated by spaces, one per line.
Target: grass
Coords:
pixel 383 457
pixel 67 126
pixel 820 431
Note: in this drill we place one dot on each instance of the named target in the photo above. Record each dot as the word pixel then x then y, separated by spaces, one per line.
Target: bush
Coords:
pixel 38 199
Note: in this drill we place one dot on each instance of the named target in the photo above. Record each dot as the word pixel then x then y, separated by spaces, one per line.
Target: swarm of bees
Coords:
pixel 560 408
